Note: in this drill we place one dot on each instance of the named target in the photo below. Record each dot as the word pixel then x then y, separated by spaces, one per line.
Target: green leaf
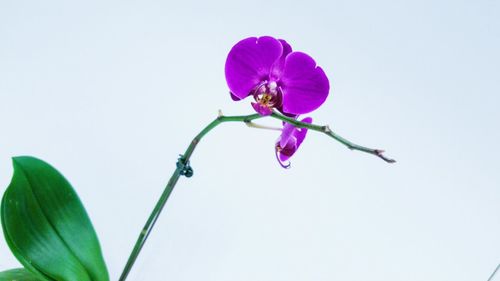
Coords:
pixel 18 274
pixel 47 227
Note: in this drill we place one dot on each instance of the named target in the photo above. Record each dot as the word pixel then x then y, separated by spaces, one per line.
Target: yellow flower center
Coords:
pixel 265 99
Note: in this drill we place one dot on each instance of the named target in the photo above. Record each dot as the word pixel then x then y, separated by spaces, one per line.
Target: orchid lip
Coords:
pixel 286 166
pixel 263 110
pixel 268 95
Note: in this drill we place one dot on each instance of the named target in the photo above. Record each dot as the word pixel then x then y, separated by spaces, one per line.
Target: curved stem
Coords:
pixel 183 167
pixel 494 272
pixel 327 131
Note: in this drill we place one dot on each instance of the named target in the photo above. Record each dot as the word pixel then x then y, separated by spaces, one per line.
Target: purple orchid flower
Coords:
pixel 289 141
pixel 267 69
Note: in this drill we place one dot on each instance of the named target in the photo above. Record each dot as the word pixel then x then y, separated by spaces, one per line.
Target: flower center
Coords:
pixel 268 94
pixel 265 99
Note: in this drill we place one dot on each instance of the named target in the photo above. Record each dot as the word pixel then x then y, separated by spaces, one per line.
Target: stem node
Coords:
pixel 184 167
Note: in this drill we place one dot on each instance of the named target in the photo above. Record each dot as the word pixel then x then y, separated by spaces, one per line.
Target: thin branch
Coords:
pixel 184 169
pixel 494 272
pixel 327 131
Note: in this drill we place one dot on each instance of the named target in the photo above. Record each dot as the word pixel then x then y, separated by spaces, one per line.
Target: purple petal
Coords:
pixel 286 133
pixel 249 63
pixel 291 138
pixel 233 97
pixel 288 150
pixel 300 134
pixel 279 65
pixel 262 109
pixel 305 85
pixel 280 109
pixel 282 162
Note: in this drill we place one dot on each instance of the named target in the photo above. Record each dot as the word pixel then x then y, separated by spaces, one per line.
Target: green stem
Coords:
pixel 183 166
pixel 494 272
pixel 327 131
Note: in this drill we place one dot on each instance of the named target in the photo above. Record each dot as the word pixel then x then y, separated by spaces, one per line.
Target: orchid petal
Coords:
pixel 286 133
pixel 290 140
pixel 304 84
pixel 249 63
pixel 233 97
pixel 301 133
pixel 288 150
pixel 279 65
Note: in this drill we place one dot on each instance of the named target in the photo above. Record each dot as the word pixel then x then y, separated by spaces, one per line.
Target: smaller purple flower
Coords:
pixel 289 141
pixel 267 69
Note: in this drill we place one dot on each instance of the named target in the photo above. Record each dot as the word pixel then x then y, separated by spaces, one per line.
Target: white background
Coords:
pixel 110 92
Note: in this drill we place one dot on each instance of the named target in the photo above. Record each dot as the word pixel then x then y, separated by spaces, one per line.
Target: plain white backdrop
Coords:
pixel 111 92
